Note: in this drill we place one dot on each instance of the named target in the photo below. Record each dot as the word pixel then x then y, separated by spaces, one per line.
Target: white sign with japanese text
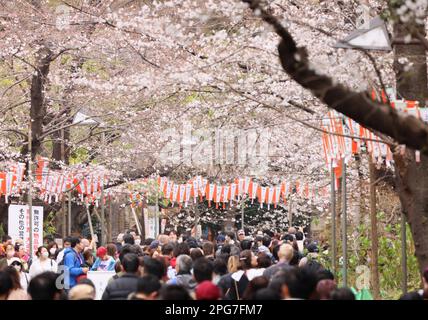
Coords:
pixel 19 225
pixel 100 280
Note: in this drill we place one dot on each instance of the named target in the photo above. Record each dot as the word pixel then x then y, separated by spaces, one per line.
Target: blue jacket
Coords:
pixel 72 263
pixel 110 266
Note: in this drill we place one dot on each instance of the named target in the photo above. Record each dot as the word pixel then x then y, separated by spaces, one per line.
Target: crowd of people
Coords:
pixel 235 266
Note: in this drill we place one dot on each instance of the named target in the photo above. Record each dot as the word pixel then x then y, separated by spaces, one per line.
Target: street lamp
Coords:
pixel 81 119
pixel 371 36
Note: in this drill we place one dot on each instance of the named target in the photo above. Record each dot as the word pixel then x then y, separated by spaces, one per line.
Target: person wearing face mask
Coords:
pixel 8 259
pixel 43 263
pixel 24 276
pixel 52 249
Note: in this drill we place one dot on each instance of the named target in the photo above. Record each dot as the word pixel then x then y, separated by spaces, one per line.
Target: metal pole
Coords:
pixel 110 218
pixel 374 235
pixel 403 253
pixel 333 220
pixel 30 188
pixel 242 212
pixel 290 215
pixel 69 212
pixel 103 218
pixel 344 234
pixel 64 214
pixel 143 224
pixel 197 235
pixel 157 211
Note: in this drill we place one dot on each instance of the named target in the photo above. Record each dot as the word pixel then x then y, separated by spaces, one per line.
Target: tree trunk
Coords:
pixel 61 145
pixel 412 177
pixel 413 189
pixel 38 105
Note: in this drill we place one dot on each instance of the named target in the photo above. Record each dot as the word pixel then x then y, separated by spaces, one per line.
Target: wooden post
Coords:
pixel 91 229
pixel 137 222
pixel 374 232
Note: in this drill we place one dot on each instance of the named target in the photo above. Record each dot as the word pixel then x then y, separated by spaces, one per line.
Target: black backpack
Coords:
pixel 237 288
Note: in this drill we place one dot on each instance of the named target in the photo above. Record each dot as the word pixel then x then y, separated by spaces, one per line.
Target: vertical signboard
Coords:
pixel 150 222
pixel 19 225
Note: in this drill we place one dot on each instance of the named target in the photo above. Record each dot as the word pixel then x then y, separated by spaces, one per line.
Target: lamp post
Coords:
pixel 81 119
pixel 371 34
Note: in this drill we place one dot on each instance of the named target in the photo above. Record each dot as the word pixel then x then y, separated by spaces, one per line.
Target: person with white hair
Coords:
pixel 184 277
pixel 119 242
pixel 285 255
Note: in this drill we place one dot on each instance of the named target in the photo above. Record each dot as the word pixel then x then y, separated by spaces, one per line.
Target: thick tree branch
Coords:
pixel 357 106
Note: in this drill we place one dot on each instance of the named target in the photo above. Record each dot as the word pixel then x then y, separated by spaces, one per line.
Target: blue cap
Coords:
pixel 154 244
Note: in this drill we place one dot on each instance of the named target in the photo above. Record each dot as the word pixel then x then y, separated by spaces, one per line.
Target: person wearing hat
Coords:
pixel 104 262
pixel 155 249
pixel 82 292
pixel 24 276
pixel 313 250
pixel 220 239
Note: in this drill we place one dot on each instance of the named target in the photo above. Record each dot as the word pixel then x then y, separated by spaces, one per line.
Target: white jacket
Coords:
pixel 24 280
pixel 38 267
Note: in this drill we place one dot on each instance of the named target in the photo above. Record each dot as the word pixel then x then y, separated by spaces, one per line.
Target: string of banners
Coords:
pixel 87 181
pixel 11 180
pixel 52 184
pixel 200 189
pixel 343 137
